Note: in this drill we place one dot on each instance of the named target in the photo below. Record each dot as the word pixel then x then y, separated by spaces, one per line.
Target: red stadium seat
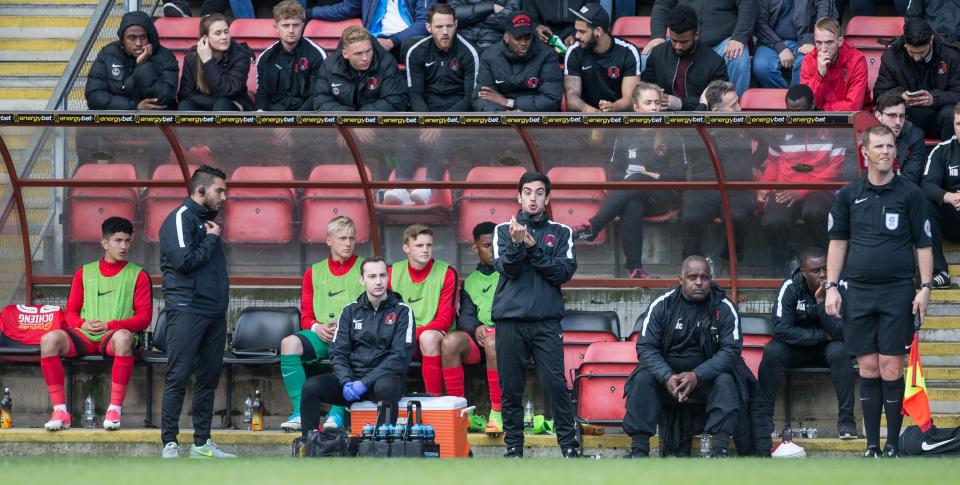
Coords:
pixel 864 32
pixel 178 34
pixel 495 205
pixel 158 202
pixel 327 34
pixel 259 216
pixel 873 69
pixel 764 99
pixel 318 206
pixel 599 383
pixel 436 211
pixel 756 331
pixel 88 207
pixel 574 207
pixel 252 81
pixel 582 328
pixel 635 30
pixel 258 34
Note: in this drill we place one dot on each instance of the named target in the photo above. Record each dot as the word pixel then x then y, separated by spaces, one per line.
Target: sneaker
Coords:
pixel 476 423
pixel 111 422
pixel 397 197
pixel 846 429
pixel 176 9
pixel 872 452
pixel 333 421
pixel 495 424
pixel 639 274
pixel 514 452
pixel 170 450
pixel 941 280
pixel 209 450
pixel 572 453
pixel 788 449
pixel 637 454
pixel 292 423
pixel 584 232
pixel 890 452
pixel 718 453
pixel 420 196
pixel 58 420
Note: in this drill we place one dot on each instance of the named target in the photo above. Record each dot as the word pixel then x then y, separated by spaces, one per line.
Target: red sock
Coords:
pixel 122 371
pixel 453 379
pixel 493 380
pixel 432 376
pixel 52 370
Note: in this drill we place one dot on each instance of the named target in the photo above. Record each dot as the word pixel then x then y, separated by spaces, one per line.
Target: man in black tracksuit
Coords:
pixel 534 256
pixel 442 68
pixel 519 74
pixel 804 335
pixel 688 348
pixel 195 295
pixel 370 352
pixel 286 69
pixel 941 186
pixel 361 76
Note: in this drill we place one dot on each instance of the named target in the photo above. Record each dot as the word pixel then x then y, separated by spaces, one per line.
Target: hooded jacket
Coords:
pixel 534 81
pixel 705 66
pixel 717 19
pixel 941 76
pixel 340 87
pixel 797 317
pixel 284 78
pixel 805 15
pixel 844 87
pixel 366 10
pixel 477 22
pixel 117 82
pixel 555 14
pixel 192 262
pixel 370 343
pixel 226 77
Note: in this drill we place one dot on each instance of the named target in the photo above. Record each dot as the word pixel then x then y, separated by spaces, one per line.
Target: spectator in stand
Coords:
pixel 868 8
pixel 396 24
pixel 600 71
pixel 286 69
pixel 890 110
pixel 925 72
pixel 785 36
pixel 836 72
pixel 215 70
pixel 361 76
pixel 941 185
pixel 519 74
pixel 442 69
pixel 554 18
pixel 800 98
pixel 481 22
pixel 725 26
pixel 241 9
pixel 135 72
pixel 683 68
pixel 943 15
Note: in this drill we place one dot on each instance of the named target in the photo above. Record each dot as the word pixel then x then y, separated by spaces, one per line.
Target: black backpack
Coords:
pixel 935 442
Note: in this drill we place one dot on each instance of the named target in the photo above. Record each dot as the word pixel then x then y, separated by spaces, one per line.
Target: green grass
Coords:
pixel 257 471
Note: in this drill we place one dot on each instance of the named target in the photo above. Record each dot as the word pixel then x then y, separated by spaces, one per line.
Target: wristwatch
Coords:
pixel 928 286
pixel 829 285
pixel 511 103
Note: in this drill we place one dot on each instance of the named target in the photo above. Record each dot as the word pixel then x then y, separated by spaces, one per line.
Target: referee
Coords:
pixel 875 225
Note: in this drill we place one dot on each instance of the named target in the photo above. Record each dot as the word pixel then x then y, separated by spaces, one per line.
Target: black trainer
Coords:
pixel 847 429
pixel 572 453
pixel 514 452
pixel 718 453
pixel 176 9
pixel 941 280
pixel 890 452
pixel 637 454
pixel 872 452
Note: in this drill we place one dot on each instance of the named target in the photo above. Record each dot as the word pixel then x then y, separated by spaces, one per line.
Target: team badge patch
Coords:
pixel 942 68
pixel 613 72
pixel 454 64
pixel 892 221
pixel 390 319
pixel 533 82
pixel 303 64
pixel 550 240
pixel 372 84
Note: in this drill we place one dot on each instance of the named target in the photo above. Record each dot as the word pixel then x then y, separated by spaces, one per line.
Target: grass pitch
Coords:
pixel 256 471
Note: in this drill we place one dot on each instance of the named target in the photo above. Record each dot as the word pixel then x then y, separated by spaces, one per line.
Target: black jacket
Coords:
pixel 911 152
pixel 717 19
pixel 192 262
pixel 225 78
pixel 284 78
pixel 441 81
pixel 117 82
pixel 805 15
pixel 943 16
pixel 554 14
pixel 339 87
pixel 940 76
pixel 369 344
pixel 529 287
pixel 798 319
pixel 534 81
pixel 477 23
pixel 706 66
pixel 942 171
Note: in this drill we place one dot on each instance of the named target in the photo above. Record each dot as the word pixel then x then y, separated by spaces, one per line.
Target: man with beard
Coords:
pixel 600 71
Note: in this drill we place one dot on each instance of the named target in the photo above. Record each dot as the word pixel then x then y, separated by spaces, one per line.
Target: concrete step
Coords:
pixel 942 323
pixel 944 400
pixel 45 27
pixel 29 82
pixel 939 349
pixel 32 69
pixel 56 49
pixel 940 420
pixel 23 104
pixel 45 3
pixel 945 296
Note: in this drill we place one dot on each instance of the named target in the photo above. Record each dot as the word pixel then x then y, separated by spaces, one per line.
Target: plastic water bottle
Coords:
pixel 6 410
pixel 367 432
pixel 416 433
pixel 705 445
pixel 256 418
pixel 528 416
pixel 248 414
pixel 558 45
pixel 428 433
pixel 89 413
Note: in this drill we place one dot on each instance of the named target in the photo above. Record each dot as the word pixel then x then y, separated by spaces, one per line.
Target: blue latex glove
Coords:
pixel 348 392
pixel 359 389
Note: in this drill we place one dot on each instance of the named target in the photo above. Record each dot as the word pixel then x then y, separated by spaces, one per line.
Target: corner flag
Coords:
pixel 915 401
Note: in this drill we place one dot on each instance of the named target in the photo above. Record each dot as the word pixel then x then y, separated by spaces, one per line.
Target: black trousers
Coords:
pixel 195 346
pixel 207 103
pixel 936 123
pixel 646 398
pixel 944 224
pixel 517 341
pixel 779 221
pixel 700 207
pixel 778 356
pixel 326 389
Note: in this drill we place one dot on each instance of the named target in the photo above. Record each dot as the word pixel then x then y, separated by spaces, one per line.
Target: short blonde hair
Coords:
pixel 354 34
pixel 644 86
pixel 829 24
pixel 340 223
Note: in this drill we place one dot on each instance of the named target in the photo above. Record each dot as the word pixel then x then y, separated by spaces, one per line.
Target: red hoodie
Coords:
pixel 844 88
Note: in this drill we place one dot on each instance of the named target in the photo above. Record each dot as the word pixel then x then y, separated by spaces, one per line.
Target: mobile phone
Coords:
pixel 913 93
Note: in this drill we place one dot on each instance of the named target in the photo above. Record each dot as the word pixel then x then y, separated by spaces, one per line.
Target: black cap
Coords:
pixel 519 24
pixel 593 13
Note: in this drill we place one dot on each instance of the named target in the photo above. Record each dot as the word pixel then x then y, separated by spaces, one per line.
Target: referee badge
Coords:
pixel 892 221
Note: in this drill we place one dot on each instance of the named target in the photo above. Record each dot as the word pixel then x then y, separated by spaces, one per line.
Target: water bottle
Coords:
pixel 89 413
pixel 367 433
pixel 705 445
pixel 416 433
pixel 395 433
pixel 558 45
pixel 428 433
pixel 256 418
pixel 6 410
pixel 383 432
pixel 528 416
pixel 248 414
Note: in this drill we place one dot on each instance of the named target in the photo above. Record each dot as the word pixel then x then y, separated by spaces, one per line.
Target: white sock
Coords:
pixel 60 407
pixel 114 407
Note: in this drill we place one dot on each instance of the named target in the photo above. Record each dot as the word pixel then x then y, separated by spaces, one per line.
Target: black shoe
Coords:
pixel 635 454
pixel 941 280
pixel 514 452
pixel 718 453
pixel 872 452
pixel 572 453
pixel 585 232
pixel 890 452
pixel 847 429
pixel 176 9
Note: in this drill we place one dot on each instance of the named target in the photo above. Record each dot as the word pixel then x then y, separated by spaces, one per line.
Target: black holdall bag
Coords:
pixel 378 445
pixel 319 444
pixel 935 442
pixel 412 443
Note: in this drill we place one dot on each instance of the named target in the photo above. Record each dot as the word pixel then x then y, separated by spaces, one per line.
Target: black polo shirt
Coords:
pixel 883 225
pixel 602 74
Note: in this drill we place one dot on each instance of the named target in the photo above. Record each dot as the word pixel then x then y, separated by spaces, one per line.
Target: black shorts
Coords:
pixel 878 317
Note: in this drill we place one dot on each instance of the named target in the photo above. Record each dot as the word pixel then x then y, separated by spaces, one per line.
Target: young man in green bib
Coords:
pixel 429 288
pixel 475 328
pixel 110 302
pixel 327 287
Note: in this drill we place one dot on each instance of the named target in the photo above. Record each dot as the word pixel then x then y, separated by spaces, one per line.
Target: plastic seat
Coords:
pixel 257 336
pixel 873 69
pixel 600 381
pixel 494 205
pixel 437 210
pixel 259 216
pixel 633 29
pixel 757 331
pixel 864 32
pixel 88 207
pixel 575 207
pixel 252 81
pixel 156 353
pixel 582 328
pixel 326 33
pixel 258 34
pixel 764 99
pixel 158 202
pixel 318 206
pixel 178 34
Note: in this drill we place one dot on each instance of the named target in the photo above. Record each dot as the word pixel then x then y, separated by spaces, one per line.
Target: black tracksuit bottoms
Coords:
pixel 944 224
pixel 326 389
pixel 517 341
pixel 195 345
